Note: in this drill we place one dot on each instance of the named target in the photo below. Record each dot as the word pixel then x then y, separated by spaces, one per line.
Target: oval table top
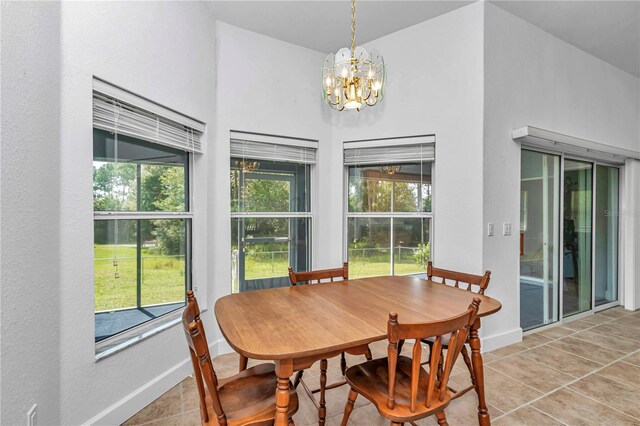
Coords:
pixel 308 320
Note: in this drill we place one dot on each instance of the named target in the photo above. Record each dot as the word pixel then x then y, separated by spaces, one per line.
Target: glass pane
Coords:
pixel 606 223
pixel 403 187
pixel 369 247
pixel 139 272
pixel 411 247
pixel 133 175
pixel 115 264
pixel 539 239
pixel 267 186
pixel 264 248
pixel 577 237
pixel 163 262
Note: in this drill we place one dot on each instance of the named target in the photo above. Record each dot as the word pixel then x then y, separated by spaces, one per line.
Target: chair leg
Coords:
pixel 296 381
pixel 396 424
pixel 368 355
pixel 440 366
pixel 349 407
pixel 467 360
pixel 322 410
pixel 442 418
pixel 400 345
pixel 343 363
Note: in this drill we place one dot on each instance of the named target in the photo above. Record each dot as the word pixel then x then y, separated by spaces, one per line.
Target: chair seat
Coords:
pixel 371 380
pixel 249 397
pixel 445 340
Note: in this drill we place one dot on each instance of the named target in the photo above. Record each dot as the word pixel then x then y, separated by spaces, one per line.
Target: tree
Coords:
pixel 166 193
pixel 114 186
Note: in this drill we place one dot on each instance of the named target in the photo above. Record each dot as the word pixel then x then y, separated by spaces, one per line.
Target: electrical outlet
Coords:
pixel 32 415
pixel 506 228
pixel 490 229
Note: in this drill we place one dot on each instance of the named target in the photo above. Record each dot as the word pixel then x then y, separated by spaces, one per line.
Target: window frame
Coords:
pixel 125 338
pixel 387 215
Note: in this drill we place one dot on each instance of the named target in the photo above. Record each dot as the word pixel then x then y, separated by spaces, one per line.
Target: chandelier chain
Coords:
pixel 353 28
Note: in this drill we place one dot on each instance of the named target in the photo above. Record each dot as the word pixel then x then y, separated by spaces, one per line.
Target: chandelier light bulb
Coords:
pixel 355 76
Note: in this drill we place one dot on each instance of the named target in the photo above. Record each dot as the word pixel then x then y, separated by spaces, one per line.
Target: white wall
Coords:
pixel 30 212
pixel 164 51
pixel 630 221
pixel 533 78
pixel 434 86
pixel 266 86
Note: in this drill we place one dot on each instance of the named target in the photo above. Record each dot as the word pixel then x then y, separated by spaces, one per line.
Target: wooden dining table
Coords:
pixel 297 326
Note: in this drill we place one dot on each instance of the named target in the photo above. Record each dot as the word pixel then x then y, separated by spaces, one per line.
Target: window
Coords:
pixel 270 213
pixel 142 217
pixel 389 208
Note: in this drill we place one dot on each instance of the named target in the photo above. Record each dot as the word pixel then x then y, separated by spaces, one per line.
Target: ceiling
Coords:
pixel 609 30
pixel 326 25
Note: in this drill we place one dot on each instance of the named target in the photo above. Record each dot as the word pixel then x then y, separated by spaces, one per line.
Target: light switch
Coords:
pixel 490 229
pixel 506 229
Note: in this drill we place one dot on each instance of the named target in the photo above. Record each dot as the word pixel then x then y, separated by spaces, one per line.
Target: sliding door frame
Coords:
pixel 620 290
pixel 619 298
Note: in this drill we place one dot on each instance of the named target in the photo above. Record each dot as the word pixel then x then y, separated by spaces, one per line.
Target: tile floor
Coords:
pixel 586 372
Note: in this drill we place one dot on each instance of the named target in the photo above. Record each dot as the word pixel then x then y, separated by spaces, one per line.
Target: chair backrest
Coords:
pixel 201 360
pixel 482 281
pixel 459 327
pixel 309 277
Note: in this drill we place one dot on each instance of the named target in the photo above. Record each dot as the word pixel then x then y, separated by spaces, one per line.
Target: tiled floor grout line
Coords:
pixel 615 335
pixel 568 384
pixel 519 381
pixel 580 356
pixel 600 402
pixel 547 414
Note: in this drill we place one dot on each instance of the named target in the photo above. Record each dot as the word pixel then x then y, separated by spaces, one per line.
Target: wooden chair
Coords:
pixel 318 277
pixel 398 386
pixel 469 282
pixel 248 398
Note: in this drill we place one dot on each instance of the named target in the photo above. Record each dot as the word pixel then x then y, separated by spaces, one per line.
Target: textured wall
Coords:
pixel 30 188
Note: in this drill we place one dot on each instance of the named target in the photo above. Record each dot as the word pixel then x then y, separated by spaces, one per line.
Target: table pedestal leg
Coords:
pixel 284 370
pixel 478 373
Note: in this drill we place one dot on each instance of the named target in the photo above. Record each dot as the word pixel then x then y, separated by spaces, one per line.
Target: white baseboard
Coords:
pixel 496 341
pixel 129 405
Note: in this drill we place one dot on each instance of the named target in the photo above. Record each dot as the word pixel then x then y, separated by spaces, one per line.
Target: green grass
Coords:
pixel 163 278
pixel 264 266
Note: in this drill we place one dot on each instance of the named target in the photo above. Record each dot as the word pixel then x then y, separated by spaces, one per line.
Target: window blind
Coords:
pixel 273 151
pixel 120 117
pixel 386 151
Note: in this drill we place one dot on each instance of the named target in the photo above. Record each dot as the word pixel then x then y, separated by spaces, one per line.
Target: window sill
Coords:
pixel 120 342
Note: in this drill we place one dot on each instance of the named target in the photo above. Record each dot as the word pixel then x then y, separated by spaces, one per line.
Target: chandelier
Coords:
pixel 353 78
pixel 391 170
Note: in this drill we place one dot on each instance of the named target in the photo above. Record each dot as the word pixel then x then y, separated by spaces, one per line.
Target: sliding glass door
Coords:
pixel 606 235
pixel 587 232
pixel 539 238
